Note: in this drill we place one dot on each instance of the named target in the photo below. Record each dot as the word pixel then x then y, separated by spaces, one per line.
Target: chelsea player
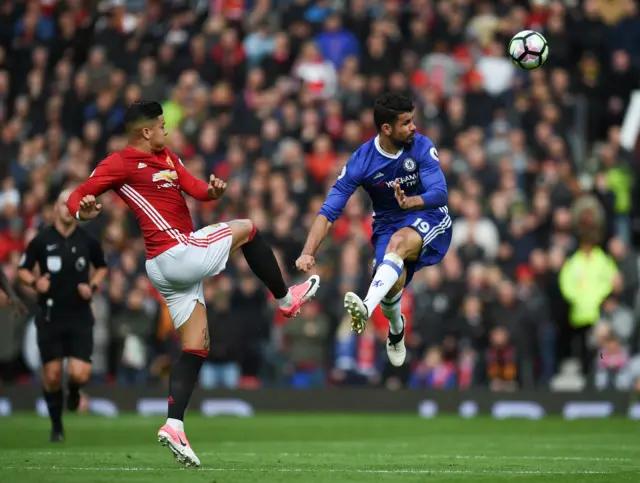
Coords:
pixel 399 169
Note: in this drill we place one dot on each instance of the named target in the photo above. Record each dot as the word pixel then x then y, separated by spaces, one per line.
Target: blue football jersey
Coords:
pixel 417 169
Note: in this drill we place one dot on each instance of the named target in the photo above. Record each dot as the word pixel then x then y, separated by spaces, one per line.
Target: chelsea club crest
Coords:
pixel 409 164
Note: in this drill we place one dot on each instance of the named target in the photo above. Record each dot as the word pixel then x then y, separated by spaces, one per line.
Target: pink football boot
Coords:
pixel 300 294
pixel 177 442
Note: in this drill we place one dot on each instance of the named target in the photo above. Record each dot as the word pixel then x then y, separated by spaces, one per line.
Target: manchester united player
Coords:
pixel 151 179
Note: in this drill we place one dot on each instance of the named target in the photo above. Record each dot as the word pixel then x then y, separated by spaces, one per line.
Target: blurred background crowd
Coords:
pixel 540 286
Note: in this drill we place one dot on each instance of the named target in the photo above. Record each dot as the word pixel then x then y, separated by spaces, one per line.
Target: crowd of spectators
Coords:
pixel 274 96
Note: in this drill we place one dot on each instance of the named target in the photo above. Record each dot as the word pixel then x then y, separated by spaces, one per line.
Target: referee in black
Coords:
pixel 63 254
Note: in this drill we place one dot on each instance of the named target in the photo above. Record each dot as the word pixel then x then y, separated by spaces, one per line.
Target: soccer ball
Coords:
pixel 528 49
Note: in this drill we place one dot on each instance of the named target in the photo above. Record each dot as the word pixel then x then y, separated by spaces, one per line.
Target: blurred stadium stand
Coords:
pixel 274 95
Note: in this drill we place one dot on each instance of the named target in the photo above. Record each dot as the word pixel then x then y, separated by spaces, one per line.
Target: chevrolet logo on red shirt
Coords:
pixel 166 175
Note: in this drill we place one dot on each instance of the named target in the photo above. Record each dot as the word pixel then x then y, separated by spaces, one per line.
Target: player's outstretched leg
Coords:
pixel 52 382
pixel 385 277
pixel 263 263
pixel 79 373
pixel 391 308
pixel 194 335
pixel 387 282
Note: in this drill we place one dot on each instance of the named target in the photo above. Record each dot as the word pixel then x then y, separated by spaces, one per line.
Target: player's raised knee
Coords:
pixel 242 231
pixel 405 243
pixel 399 244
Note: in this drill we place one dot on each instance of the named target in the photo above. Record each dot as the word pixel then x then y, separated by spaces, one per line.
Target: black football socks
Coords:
pixel 73 396
pixel 184 376
pixel 263 263
pixel 54 400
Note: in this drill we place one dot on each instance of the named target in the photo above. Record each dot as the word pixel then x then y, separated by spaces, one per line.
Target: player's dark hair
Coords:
pixel 141 111
pixel 388 107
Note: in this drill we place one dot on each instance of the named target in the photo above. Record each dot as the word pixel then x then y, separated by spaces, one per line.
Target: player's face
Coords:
pixel 404 130
pixel 156 134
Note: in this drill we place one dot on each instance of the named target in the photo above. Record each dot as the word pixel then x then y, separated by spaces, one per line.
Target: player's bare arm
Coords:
pixel 317 234
pixel 333 205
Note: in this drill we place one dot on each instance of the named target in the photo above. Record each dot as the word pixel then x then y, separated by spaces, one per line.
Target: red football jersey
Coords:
pixel 152 186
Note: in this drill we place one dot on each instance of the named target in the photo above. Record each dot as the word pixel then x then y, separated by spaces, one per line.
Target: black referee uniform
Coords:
pixel 64 320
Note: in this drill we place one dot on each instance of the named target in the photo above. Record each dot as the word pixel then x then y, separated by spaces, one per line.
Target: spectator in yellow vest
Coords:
pixel 587 278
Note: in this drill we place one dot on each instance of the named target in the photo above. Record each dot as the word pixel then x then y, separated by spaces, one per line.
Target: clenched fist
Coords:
pixel 43 283
pixel 84 290
pixel 305 262
pixel 89 208
pixel 216 187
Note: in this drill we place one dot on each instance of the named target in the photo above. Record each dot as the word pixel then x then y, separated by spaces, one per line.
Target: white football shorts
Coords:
pixel 178 273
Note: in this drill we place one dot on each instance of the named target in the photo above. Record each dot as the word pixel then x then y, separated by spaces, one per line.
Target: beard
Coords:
pixel 403 143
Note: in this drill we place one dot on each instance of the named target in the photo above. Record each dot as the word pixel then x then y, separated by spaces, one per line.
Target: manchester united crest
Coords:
pixel 169 162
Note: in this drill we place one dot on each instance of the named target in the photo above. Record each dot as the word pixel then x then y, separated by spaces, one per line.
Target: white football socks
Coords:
pixel 388 273
pixel 392 310
pixel 176 424
pixel 286 301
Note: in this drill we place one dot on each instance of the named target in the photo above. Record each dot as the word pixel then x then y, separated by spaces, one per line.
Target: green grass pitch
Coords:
pixel 324 448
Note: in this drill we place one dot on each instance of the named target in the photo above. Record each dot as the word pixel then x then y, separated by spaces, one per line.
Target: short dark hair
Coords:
pixel 389 106
pixel 141 111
